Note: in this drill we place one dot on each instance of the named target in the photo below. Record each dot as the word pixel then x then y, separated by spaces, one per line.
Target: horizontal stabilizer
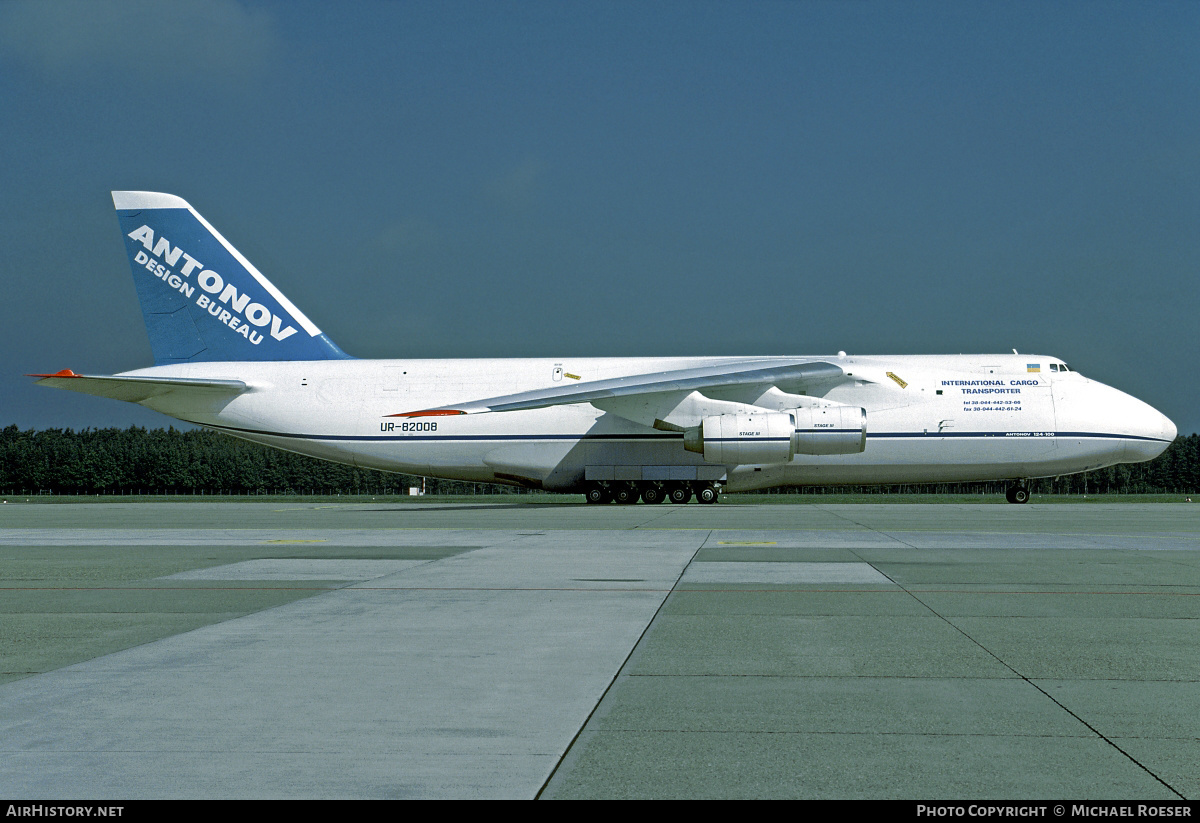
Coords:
pixel 136 389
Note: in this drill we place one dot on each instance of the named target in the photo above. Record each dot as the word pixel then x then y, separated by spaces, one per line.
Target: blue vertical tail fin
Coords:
pixel 202 300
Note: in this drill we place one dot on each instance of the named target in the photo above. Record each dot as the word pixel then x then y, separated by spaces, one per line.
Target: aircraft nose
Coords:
pixel 1150 432
pixel 1169 430
pixel 1112 423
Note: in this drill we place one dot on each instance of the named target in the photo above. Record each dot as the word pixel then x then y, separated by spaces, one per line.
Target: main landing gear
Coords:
pixel 627 492
pixel 1017 493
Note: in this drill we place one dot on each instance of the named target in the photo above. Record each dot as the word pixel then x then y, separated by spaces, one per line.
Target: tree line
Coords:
pixel 169 461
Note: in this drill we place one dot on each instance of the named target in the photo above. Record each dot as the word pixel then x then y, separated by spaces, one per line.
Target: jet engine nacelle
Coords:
pixel 831 430
pixel 777 437
pixel 743 438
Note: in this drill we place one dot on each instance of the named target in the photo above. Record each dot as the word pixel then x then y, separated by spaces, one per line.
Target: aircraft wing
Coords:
pixel 792 376
pixel 136 389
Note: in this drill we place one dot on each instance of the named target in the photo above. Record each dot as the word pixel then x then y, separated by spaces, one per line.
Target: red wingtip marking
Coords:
pixel 63 373
pixel 427 413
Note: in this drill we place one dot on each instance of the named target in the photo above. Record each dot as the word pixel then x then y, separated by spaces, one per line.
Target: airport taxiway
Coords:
pixel 306 650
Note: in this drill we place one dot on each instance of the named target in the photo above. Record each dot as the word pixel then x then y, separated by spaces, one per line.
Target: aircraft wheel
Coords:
pixel 706 494
pixel 680 494
pixel 1017 494
pixel 597 494
pixel 625 493
pixel 652 494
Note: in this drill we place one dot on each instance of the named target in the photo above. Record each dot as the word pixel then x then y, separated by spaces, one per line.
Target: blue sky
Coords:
pixel 617 178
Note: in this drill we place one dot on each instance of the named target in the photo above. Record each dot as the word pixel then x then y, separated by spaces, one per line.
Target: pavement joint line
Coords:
pixel 782 589
pixel 596 589
pixel 873 531
pixel 1034 685
pixel 808 733
pixel 960 573
pixel 891 533
pixel 617 674
pixel 168 588
pixel 792 676
pixel 666 513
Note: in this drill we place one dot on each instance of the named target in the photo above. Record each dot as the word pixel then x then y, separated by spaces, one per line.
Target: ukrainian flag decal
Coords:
pixel 1033 367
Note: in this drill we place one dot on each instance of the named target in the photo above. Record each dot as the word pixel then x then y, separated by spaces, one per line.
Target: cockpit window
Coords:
pixel 1058 367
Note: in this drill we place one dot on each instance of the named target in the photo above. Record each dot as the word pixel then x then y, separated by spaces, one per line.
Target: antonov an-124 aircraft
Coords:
pixel 233 354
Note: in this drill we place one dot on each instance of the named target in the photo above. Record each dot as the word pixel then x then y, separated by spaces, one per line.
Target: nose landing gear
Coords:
pixel 1017 493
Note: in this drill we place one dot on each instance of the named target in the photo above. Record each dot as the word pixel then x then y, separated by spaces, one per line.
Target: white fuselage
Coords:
pixel 930 418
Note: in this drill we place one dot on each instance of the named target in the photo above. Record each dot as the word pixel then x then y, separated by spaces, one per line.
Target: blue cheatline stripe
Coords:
pixel 1097 435
pixel 669 435
pixel 444 437
pixel 1113 436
